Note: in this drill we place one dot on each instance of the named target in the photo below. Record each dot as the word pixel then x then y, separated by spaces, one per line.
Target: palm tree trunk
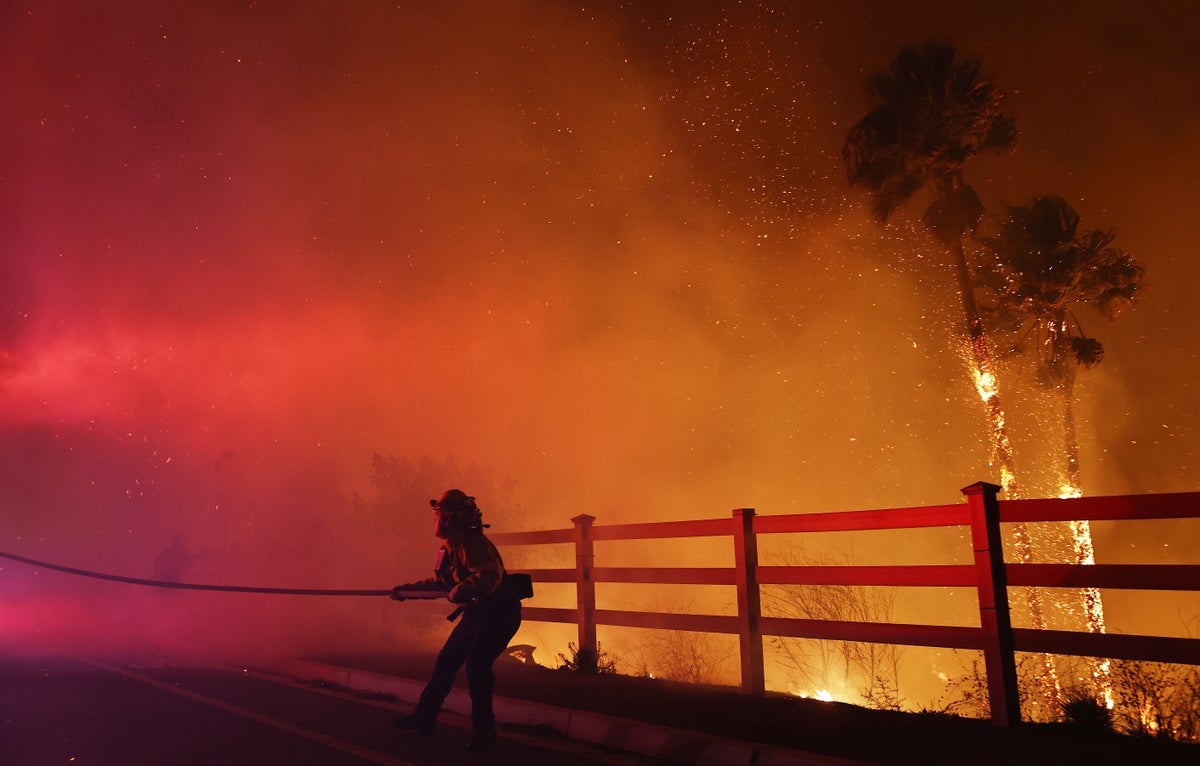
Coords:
pixel 1081 538
pixel 988 386
pixel 985 374
pixel 1070 442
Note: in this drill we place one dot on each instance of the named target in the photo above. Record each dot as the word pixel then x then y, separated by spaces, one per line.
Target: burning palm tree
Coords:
pixel 930 113
pixel 1044 267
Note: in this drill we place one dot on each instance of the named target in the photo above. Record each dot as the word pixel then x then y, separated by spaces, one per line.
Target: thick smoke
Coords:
pixel 585 260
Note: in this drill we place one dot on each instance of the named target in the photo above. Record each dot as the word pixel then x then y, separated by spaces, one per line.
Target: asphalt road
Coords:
pixel 65 711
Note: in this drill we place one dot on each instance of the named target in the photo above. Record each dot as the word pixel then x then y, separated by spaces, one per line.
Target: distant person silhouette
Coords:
pixel 173 563
pixel 168 617
pixel 471 573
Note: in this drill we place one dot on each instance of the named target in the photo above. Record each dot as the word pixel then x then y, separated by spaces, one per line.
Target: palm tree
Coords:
pixel 1044 266
pixel 930 113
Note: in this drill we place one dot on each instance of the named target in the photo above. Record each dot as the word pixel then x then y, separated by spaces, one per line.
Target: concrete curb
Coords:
pixel 610 731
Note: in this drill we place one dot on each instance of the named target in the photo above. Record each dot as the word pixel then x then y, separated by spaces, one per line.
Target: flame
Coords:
pixel 989 389
pixel 1081 532
pixel 1006 480
pixel 1093 601
pixel 1101 676
pixel 985 384
pixel 823 695
pixel 1149 719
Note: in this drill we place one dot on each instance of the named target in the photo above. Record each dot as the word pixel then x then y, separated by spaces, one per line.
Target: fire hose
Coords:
pixel 417 595
pixel 523 585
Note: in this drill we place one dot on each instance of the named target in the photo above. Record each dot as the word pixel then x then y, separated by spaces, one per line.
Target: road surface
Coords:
pixel 71 711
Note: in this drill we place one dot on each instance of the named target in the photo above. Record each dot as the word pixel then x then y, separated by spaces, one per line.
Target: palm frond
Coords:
pixel 1112 277
pixel 1088 352
pixel 1044 264
pixel 929 113
pixel 1002 135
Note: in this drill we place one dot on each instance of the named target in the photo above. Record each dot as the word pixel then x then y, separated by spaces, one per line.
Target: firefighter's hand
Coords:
pixel 398 592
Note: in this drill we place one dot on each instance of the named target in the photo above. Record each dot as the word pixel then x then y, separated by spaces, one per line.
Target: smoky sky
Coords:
pixel 605 249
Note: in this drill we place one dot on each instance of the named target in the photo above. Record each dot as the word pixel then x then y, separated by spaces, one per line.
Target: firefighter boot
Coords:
pixel 414 722
pixel 482 740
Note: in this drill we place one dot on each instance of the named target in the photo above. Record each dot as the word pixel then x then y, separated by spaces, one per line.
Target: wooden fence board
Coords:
pixel 546 614
pixel 536 537
pixel 947 575
pixel 1177 505
pixel 858 521
pixel 658 529
pixel 551 575
pixel 667 575
pixel 947 636
pixel 1132 576
pixel 703 623
pixel 1115 645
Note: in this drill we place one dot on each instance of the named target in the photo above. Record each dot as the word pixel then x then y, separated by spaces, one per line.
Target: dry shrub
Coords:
pixel 1156 699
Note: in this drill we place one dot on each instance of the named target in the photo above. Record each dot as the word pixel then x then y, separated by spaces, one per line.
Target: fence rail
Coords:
pixel 990 575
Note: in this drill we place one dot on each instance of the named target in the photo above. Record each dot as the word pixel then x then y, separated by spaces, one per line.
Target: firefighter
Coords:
pixel 471 571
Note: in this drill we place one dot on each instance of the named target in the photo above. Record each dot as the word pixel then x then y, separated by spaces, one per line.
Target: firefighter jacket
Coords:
pixel 468 567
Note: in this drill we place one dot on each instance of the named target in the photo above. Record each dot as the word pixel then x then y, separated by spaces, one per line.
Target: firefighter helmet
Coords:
pixel 460 506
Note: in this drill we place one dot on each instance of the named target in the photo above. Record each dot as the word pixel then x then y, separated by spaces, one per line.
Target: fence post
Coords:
pixel 994 617
pixel 585 587
pixel 749 601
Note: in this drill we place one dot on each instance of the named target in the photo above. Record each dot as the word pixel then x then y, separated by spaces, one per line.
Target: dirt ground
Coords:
pixel 831 728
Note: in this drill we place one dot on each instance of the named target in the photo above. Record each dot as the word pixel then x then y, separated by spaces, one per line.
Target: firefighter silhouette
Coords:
pixel 471 572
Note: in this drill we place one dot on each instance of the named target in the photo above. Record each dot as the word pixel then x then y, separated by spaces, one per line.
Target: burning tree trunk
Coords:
pixel 987 385
pixel 1043 266
pixel 986 382
pixel 1074 485
pixel 1081 531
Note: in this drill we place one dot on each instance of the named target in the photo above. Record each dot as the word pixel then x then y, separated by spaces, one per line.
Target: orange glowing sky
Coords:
pixel 604 250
